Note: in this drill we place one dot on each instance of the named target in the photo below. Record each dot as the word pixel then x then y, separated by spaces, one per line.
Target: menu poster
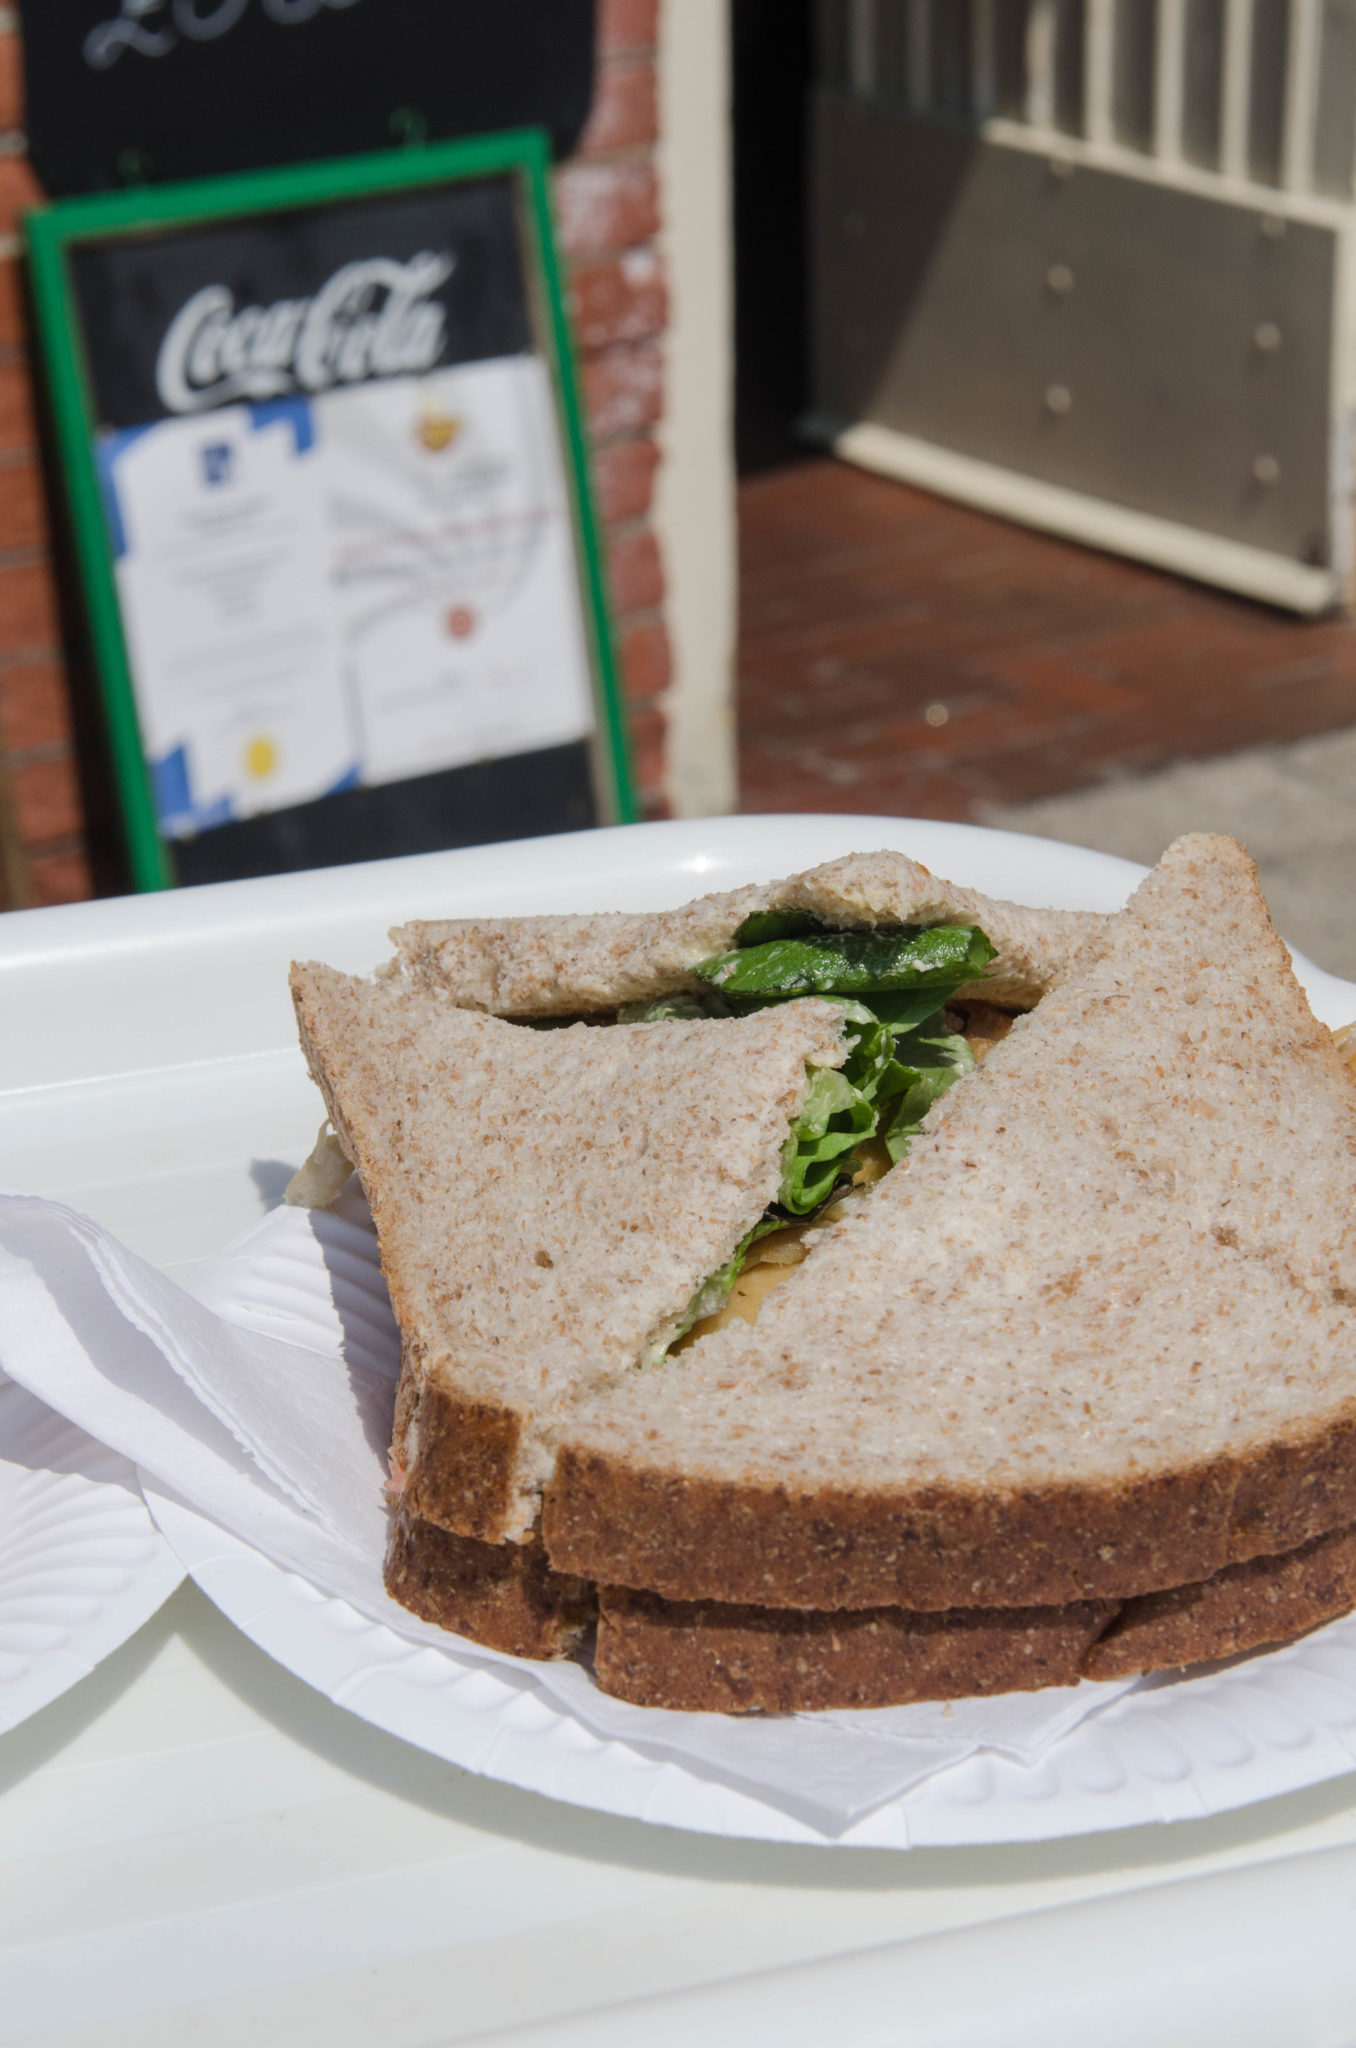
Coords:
pixel 344 581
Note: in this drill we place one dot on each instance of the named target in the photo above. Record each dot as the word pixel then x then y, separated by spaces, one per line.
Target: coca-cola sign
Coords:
pixel 297 302
pixel 327 490
pixel 373 318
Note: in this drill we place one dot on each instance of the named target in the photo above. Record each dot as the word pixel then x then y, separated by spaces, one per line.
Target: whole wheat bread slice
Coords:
pixel 547 1203
pixel 563 966
pixel 1096 1339
pixel 708 1657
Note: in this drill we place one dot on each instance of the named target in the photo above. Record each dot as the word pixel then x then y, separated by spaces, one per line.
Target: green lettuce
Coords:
pixel 763 925
pixel 679 1008
pixel 932 1059
pixel 885 1087
pixel 936 957
pixel 892 988
pixel 835 1119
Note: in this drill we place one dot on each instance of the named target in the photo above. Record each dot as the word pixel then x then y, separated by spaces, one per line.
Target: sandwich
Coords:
pixel 1058 1376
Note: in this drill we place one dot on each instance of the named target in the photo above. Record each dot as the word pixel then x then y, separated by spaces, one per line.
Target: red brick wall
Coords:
pixel 607 215
pixel 608 218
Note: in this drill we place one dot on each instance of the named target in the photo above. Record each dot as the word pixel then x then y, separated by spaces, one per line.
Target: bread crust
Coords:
pixel 1267 1600
pixel 458 1455
pixel 694 1538
pixel 1301 1486
pixel 503 1595
pixel 716 1659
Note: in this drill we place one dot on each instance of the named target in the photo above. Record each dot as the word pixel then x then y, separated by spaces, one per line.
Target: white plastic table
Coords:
pixel 195 1847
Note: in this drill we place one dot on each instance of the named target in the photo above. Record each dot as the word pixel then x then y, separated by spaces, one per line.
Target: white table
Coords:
pixel 195 1846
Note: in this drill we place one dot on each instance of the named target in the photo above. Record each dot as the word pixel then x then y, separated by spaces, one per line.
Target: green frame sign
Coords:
pixel 53 232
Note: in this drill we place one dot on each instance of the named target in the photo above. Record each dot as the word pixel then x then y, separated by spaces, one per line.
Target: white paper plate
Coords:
pixel 82 1565
pixel 1173 1749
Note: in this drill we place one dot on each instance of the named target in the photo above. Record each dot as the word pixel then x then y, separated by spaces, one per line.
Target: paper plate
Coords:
pixel 82 1565
pixel 1172 1749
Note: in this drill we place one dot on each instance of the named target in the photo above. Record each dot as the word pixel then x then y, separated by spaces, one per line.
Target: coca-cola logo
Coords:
pixel 374 318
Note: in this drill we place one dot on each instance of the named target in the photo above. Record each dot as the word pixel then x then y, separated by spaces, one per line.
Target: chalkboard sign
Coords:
pixel 126 92
pixel 327 485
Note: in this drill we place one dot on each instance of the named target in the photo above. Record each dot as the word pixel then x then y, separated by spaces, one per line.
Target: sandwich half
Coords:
pixel 553 1209
pixel 1095 1346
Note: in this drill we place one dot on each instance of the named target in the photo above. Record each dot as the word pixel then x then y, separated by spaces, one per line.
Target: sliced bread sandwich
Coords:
pixel 1073 1396
pixel 1097 1340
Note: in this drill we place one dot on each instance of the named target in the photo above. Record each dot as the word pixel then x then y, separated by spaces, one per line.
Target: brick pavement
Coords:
pixel 904 655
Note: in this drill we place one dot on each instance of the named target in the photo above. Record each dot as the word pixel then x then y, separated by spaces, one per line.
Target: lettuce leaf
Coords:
pixel 763 925
pixel 932 1059
pixel 836 1117
pixel 886 1086
pixel 904 1010
pixel 900 1059
pixel 937 957
pixel 681 1007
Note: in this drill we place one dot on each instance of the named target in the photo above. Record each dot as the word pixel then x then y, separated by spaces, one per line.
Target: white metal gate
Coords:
pixel 1153 203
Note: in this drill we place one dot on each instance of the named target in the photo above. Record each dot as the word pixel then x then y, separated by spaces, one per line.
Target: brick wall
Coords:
pixel 608 219
pixel 607 216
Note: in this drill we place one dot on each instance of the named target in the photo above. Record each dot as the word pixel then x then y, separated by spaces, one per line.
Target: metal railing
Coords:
pixel 1259 93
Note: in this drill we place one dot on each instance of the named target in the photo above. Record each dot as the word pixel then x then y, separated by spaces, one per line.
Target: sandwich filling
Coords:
pixel 891 988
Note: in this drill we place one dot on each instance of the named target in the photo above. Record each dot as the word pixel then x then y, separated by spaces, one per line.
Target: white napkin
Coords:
pixel 265 1404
